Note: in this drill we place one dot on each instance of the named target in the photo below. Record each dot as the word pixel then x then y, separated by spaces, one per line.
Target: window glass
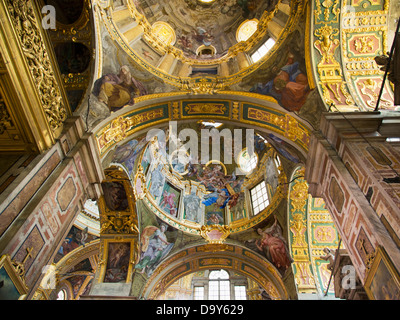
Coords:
pixel 263 50
pixel 61 295
pixel 240 292
pixel 247 163
pixel 198 293
pixel 219 285
pixel 259 197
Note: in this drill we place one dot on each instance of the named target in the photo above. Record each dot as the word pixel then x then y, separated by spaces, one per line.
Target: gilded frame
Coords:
pixel 383 280
pixel 7 270
pixel 139 187
pixel 132 257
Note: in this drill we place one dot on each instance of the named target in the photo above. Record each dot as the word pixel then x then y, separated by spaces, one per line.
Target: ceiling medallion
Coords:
pixel 164 32
pixel 215 234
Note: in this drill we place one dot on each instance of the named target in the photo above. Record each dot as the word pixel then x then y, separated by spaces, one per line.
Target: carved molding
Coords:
pixel 32 43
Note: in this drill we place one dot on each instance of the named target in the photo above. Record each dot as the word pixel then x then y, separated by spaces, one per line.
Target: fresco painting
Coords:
pixel 209 194
pixel 128 153
pixel 192 207
pixel 75 238
pixel 115 196
pixel 272 245
pixel 170 199
pixel 117 262
pixel 154 247
pixel 289 86
pixel 118 90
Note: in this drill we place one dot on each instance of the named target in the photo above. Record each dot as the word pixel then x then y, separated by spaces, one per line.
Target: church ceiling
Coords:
pixel 292 72
pixel 150 70
pixel 142 30
pixel 193 204
pixel 305 71
pixel 169 182
pixel 197 23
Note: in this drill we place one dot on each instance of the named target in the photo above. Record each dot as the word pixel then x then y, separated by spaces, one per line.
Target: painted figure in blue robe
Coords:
pixel 289 87
pixel 220 198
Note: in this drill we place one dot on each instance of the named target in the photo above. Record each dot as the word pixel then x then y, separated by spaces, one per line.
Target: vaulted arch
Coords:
pixel 226 256
pixel 244 109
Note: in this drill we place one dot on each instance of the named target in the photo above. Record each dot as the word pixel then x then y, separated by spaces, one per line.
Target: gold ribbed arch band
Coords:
pixel 251 110
pixel 224 256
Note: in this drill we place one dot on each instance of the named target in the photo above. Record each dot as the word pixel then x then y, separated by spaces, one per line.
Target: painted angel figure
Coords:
pixel 203 36
pixel 185 41
pixel 274 246
pixel 226 190
pixel 154 247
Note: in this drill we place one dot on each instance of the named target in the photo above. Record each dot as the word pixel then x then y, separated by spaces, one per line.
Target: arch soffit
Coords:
pixel 248 110
pixel 77 255
pixel 224 256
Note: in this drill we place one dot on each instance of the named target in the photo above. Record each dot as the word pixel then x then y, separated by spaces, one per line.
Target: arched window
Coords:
pixel 262 50
pixel 246 162
pixel 259 197
pixel 62 295
pixel 219 285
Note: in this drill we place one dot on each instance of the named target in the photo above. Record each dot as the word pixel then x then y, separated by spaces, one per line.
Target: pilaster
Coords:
pixel 41 204
pixel 355 170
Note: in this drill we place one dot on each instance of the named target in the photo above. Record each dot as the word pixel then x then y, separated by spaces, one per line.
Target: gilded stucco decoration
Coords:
pixel 13 276
pixel 116 207
pixel 117 128
pixel 74 48
pixel 13 138
pixel 346 36
pixel 329 69
pixel 26 24
pixel 312 234
pixel 119 233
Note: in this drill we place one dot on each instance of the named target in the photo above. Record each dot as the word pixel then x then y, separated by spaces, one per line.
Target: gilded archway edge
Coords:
pixel 251 110
pixel 227 256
